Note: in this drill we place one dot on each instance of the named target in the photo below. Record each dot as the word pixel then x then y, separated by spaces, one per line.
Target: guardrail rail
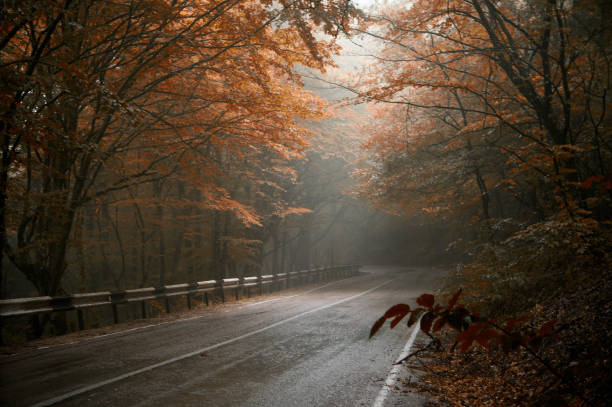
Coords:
pixel 79 302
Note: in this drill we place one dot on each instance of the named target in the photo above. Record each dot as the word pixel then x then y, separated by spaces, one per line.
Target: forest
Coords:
pixel 493 118
pixel 148 142
pixel 154 142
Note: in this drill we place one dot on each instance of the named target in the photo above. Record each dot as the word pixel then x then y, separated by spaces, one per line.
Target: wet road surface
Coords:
pixel 310 349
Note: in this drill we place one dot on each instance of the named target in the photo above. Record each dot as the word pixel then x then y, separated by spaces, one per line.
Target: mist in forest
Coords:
pixel 147 143
pixel 282 213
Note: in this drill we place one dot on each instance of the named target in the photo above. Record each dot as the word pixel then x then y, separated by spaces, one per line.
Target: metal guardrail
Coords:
pixel 79 302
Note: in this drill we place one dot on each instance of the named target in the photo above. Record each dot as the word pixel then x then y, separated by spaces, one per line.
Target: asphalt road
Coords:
pixel 306 349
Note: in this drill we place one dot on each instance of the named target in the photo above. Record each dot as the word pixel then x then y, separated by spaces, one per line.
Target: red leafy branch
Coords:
pixel 471 328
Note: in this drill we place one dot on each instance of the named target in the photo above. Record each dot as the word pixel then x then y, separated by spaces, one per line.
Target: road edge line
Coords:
pixel 394 373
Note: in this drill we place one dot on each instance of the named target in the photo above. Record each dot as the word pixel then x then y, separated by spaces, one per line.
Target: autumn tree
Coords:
pixel 99 98
pixel 494 117
pixel 525 84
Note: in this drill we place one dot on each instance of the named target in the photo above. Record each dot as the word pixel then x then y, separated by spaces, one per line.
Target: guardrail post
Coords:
pixel 61 303
pixel 192 288
pixel 220 284
pixel 116 298
pixel 143 309
pixel 80 319
pixel 161 292
pixel 115 313
pixel 260 281
pixel 36 326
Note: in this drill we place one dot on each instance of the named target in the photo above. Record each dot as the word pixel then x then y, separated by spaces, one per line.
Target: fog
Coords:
pixel 306 209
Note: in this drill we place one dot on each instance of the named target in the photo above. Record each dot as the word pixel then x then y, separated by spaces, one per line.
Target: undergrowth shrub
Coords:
pixel 512 274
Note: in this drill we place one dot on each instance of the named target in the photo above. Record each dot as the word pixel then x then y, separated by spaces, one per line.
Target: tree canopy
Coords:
pixel 100 97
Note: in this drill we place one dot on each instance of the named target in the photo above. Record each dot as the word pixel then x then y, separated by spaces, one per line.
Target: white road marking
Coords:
pixel 394 373
pixel 115 379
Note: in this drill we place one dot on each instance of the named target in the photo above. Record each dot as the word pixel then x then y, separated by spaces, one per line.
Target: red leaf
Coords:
pixel 414 316
pixel 468 336
pixel 470 332
pixel 426 300
pixel 398 318
pixel 458 319
pixel 454 299
pixel 439 324
pixel 484 337
pixel 466 345
pixel 547 328
pixel 426 322
pixel 377 326
pixel 396 310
